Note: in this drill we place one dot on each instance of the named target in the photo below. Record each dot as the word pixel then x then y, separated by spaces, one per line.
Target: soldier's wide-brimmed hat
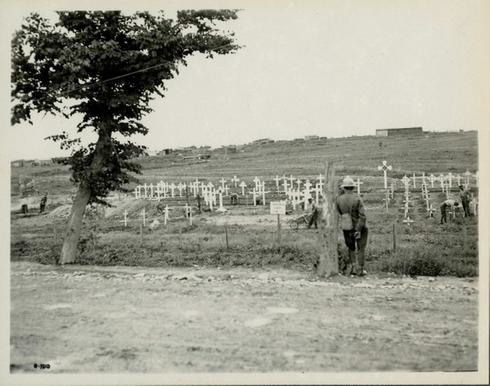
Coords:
pixel 348 183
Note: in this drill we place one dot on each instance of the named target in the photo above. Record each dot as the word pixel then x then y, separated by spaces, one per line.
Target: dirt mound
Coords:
pixel 61 211
pixel 130 205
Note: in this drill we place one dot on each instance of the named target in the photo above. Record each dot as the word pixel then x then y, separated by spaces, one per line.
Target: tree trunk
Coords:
pixel 74 226
pixel 328 263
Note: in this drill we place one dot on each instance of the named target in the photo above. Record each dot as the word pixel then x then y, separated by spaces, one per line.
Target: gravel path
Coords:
pixel 117 319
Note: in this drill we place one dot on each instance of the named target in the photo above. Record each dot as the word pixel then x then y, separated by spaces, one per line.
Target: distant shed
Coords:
pixel 400 131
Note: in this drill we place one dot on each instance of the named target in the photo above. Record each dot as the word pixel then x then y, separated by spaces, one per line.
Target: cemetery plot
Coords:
pixel 227 221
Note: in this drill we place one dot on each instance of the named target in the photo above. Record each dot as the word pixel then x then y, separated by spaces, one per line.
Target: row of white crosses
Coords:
pixel 406 201
pixel 298 195
pixel 445 181
pixel 426 198
pixel 450 180
pixel 187 212
pixel 160 190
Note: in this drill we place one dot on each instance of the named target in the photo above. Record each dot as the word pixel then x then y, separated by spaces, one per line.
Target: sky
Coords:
pixel 327 68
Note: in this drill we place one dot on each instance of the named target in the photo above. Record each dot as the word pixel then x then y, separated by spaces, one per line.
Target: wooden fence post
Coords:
pixel 328 263
pixel 141 234
pixel 226 235
pixel 279 231
pixel 394 239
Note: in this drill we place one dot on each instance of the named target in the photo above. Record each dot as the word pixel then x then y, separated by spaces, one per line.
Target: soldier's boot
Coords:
pixel 360 256
pixel 351 267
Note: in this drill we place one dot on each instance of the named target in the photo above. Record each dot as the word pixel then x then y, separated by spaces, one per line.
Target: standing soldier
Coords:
pixel 353 220
pixel 465 196
pixel 42 205
pixel 198 198
pixel 314 214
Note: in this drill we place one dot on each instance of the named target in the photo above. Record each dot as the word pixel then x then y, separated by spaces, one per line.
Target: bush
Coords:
pixel 426 263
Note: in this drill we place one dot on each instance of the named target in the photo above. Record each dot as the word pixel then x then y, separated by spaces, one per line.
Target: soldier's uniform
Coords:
pixel 314 214
pixel 42 205
pixel 465 197
pixel 353 220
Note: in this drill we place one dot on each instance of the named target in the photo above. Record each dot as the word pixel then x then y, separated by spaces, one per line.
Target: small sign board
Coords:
pixel 278 207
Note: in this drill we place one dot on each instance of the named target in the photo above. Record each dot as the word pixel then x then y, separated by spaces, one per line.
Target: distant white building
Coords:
pixel 311 137
pixel 400 131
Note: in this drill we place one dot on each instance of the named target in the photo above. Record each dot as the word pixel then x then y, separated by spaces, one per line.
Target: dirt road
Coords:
pixel 117 319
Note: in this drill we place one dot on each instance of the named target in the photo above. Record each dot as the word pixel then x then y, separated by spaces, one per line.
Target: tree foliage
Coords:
pixel 106 67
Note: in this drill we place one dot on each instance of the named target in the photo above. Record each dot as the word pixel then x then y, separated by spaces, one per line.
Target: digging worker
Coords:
pixel 198 198
pixel 353 221
pixel 465 196
pixel 445 206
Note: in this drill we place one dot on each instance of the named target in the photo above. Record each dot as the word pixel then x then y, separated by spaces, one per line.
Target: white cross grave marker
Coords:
pixel 307 193
pixel 387 200
pixel 320 179
pixel 159 191
pixel 243 186
pixel 384 168
pixel 221 207
pixel 235 180
pixel 458 179
pixel 431 210
pixel 408 221
pixel 358 184
pixel 450 179
pixel 441 180
pixel 172 188
pixel 467 175
pixel 277 179
pixel 405 181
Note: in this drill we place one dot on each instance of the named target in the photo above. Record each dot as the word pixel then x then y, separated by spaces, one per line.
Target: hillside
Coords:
pixel 431 153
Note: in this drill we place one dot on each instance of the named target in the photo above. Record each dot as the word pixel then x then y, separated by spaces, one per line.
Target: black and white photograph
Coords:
pixel 245 192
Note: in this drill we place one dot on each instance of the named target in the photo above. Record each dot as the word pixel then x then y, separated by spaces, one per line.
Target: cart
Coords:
pixel 297 222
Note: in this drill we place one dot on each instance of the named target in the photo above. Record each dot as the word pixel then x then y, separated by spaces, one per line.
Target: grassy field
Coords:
pixel 247 236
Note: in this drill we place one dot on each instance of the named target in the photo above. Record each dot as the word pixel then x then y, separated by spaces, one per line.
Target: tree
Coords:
pixel 328 262
pixel 105 67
